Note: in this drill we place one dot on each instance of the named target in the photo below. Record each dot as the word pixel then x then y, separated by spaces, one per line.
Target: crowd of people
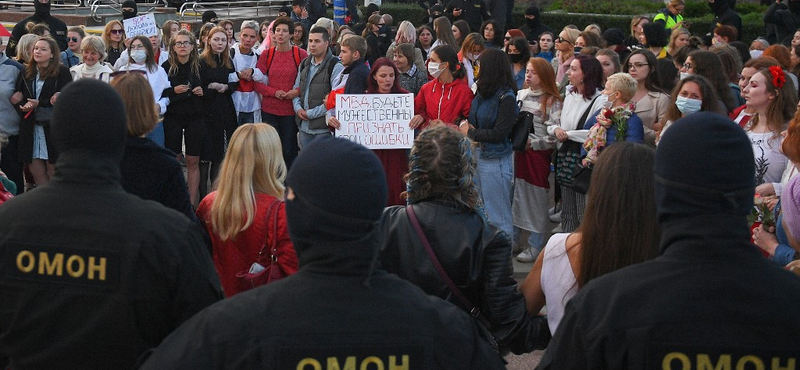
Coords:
pixel 659 139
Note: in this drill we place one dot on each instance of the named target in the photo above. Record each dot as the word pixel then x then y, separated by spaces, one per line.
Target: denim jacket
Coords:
pixel 483 113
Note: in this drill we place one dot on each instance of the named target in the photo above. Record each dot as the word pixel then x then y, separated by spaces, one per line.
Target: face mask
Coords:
pixel 609 99
pixel 139 56
pixel 685 74
pixel 434 69
pixel 128 15
pixel 531 22
pixel 756 53
pixel 42 9
pixel 515 58
pixel 383 30
pixel 474 57
pixel 688 106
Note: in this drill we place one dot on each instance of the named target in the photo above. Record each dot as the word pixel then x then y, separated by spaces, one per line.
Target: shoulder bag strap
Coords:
pixel 586 113
pixel 272 211
pixel 475 311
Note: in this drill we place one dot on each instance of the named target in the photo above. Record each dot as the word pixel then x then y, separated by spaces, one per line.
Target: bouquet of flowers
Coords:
pixel 616 116
pixel 761 213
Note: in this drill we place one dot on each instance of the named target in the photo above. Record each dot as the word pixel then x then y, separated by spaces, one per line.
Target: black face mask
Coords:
pixel 128 15
pixel 42 9
pixel 531 22
pixel 515 58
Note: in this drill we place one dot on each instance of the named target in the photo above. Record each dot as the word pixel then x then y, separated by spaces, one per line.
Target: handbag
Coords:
pixel 43 115
pixel 258 274
pixel 581 177
pixel 569 153
pixel 520 131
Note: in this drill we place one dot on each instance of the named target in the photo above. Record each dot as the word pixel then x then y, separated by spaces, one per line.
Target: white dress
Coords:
pixel 559 283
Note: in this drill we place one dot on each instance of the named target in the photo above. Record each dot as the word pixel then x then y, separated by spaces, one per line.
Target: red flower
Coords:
pixel 778 77
pixel 607 113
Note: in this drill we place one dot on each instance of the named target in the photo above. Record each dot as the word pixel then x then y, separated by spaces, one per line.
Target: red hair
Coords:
pixel 372 84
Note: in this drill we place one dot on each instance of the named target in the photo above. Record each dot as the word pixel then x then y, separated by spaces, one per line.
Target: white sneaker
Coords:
pixel 554 210
pixel 558 229
pixel 556 217
pixel 528 255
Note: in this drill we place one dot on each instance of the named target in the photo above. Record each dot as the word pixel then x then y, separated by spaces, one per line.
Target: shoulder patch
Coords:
pixel 395 357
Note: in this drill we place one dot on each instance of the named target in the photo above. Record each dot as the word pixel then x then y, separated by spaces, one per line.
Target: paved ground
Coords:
pixel 525 362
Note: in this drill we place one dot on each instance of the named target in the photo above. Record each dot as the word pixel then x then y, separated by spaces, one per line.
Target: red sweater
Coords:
pixel 233 256
pixel 281 75
pixel 447 102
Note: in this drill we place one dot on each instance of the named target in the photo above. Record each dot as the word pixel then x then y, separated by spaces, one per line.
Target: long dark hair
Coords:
pixel 592 75
pixel 620 225
pixel 150 61
pixel 495 73
pixel 522 46
pixel 372 84
pixel 651 82
pixel 709 97
pixel 447 53
pixel 498 32
pixel 708 65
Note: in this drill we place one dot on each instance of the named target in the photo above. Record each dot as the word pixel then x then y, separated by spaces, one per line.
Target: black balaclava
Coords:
pixel 130 4
pixel 534 11
pixel 96 125
pixel 719 6
pixel 42 9
pixel 371 8
pixel 704 165
pixel 794 6
pixel 210 16
pixel 339 192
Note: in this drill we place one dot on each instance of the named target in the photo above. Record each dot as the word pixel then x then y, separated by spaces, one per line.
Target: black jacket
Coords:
pixel 357 74
pixel 710 294
pixel 151 172
pixel 474 12
pixel 187 104
pixel 52 85
pixel 58 30
pixel 91 276
pixel 786 22
pixel 476 256
pixel 335 308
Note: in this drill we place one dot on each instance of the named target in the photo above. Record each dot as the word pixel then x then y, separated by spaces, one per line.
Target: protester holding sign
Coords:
pixel 383 79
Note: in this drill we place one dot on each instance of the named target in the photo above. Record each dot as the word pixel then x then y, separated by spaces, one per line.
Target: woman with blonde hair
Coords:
pixel 471 50
pixel 678 39
pixel 406 33
pixel 240 215
pixel 93 66
pixel 113 35
pixel 148 170
pixel 25 47
pixel 169 29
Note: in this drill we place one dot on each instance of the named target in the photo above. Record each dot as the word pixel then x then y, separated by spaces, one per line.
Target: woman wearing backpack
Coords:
pixel 280 64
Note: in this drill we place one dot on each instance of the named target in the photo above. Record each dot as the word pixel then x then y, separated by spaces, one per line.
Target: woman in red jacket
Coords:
pixel 447 98
pixel 239 215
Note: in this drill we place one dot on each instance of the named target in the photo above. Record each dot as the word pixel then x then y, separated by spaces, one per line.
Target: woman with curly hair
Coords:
pixel 473 253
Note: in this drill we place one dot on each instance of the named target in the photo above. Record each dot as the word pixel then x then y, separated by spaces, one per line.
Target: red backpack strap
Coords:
pixel 296 52
pixel 270 54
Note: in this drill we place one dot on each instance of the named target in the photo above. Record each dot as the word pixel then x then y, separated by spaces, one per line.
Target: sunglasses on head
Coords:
pixel 134 71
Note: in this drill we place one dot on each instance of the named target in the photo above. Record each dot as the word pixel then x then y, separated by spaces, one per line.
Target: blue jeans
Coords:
pixel 306 138
pixel 287 131
pixel 246 117
pixel 535 240
pixel 157 135
pixel 495 181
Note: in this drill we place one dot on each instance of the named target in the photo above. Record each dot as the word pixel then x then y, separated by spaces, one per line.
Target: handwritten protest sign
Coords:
pixel 377 121
pixel 144 25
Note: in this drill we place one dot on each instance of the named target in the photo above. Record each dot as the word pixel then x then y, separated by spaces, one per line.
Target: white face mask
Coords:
pixel 434 69
pixel 474 56
pixel 688 106
pixel 139 56
pixel 685 74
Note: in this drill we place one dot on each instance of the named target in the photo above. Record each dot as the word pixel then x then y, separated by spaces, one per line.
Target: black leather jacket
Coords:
pixel 476 256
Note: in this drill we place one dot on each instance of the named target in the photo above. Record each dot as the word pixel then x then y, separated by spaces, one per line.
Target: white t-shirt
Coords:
pixel 770 162
pixel 559 283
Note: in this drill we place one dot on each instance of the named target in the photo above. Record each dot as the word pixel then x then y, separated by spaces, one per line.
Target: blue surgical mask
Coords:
pixel 688 106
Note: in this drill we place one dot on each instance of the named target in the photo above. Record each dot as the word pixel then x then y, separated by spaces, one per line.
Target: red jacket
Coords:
pixel 447 102
pixel 745 117
pixel 233 256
